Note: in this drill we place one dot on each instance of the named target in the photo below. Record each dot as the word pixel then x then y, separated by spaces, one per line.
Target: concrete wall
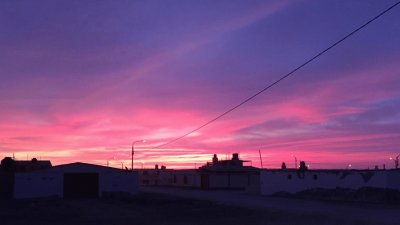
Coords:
pixel 152 177
pixel 217 180
pixel 239 181
pixel 50 182
pixel 232 180
pixel 169 178
pixel 37 185
pixel 295 181
pixel 118 182
pixel 393 179
pixel 189 178
pixel 253 183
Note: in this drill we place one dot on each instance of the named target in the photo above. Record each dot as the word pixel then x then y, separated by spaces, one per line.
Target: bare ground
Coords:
pixel 160 209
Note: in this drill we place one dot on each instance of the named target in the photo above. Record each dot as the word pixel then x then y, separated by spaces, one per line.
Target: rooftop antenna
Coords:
pixel 396 161
pixel 259 151
pixel 13 156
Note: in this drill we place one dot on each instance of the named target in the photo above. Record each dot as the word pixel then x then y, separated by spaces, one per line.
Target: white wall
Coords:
pixel 36 185
pixel 166 178
pixel 238 180
pixel 50 182
pixel 118 182
pixel 276 181
pixel 253 184
pixel 393 179
pixel 193 178
pixel 218 181
pixel 228 180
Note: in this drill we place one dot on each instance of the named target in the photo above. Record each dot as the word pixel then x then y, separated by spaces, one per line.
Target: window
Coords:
pixel 185 179
pixel 289 177
pixel 175 179
pixel 315 177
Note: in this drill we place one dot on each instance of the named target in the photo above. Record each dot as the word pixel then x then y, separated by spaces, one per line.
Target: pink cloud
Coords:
pixel 96 122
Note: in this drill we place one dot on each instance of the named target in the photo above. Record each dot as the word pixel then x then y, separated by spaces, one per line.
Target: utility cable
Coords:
pixel 284 77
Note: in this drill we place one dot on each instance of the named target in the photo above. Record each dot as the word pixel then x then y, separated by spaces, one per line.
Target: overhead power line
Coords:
pixel 283 77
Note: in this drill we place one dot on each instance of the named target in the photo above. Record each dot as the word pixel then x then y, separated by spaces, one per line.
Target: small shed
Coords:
pixel 75 180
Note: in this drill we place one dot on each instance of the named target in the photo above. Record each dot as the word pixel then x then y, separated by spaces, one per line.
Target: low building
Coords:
pixel 72 180
pixel 218 174
pixel 9 167
pixel 227 174
pixel 169 177
pixel 292 181
pixel 75 180
pixel 155 177
pixel 8 164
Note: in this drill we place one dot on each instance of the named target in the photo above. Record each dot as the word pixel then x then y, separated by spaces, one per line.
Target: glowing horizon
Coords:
pixel 80 81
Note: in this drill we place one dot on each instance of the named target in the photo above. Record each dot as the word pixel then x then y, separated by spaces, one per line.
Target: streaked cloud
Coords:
pixel 80 82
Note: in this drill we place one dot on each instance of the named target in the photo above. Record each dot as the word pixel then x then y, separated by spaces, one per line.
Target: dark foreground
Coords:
pixel 157 209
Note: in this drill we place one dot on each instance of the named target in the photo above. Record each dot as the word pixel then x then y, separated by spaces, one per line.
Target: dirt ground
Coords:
pixel 150 208
pixel 370 213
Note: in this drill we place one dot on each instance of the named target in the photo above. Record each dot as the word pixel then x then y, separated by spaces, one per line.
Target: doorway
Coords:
pixel 81 185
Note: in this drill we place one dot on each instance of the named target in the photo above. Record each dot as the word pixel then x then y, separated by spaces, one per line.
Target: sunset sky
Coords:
pixel 82 80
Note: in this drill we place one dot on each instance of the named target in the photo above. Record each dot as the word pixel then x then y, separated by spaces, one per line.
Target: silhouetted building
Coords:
pixel 218 174
pixel 37 179
pixel 226 165
pixel 75 180
pixel 10 165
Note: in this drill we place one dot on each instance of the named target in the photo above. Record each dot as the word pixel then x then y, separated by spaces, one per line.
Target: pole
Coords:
pixel 259 151
pixel 133 152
